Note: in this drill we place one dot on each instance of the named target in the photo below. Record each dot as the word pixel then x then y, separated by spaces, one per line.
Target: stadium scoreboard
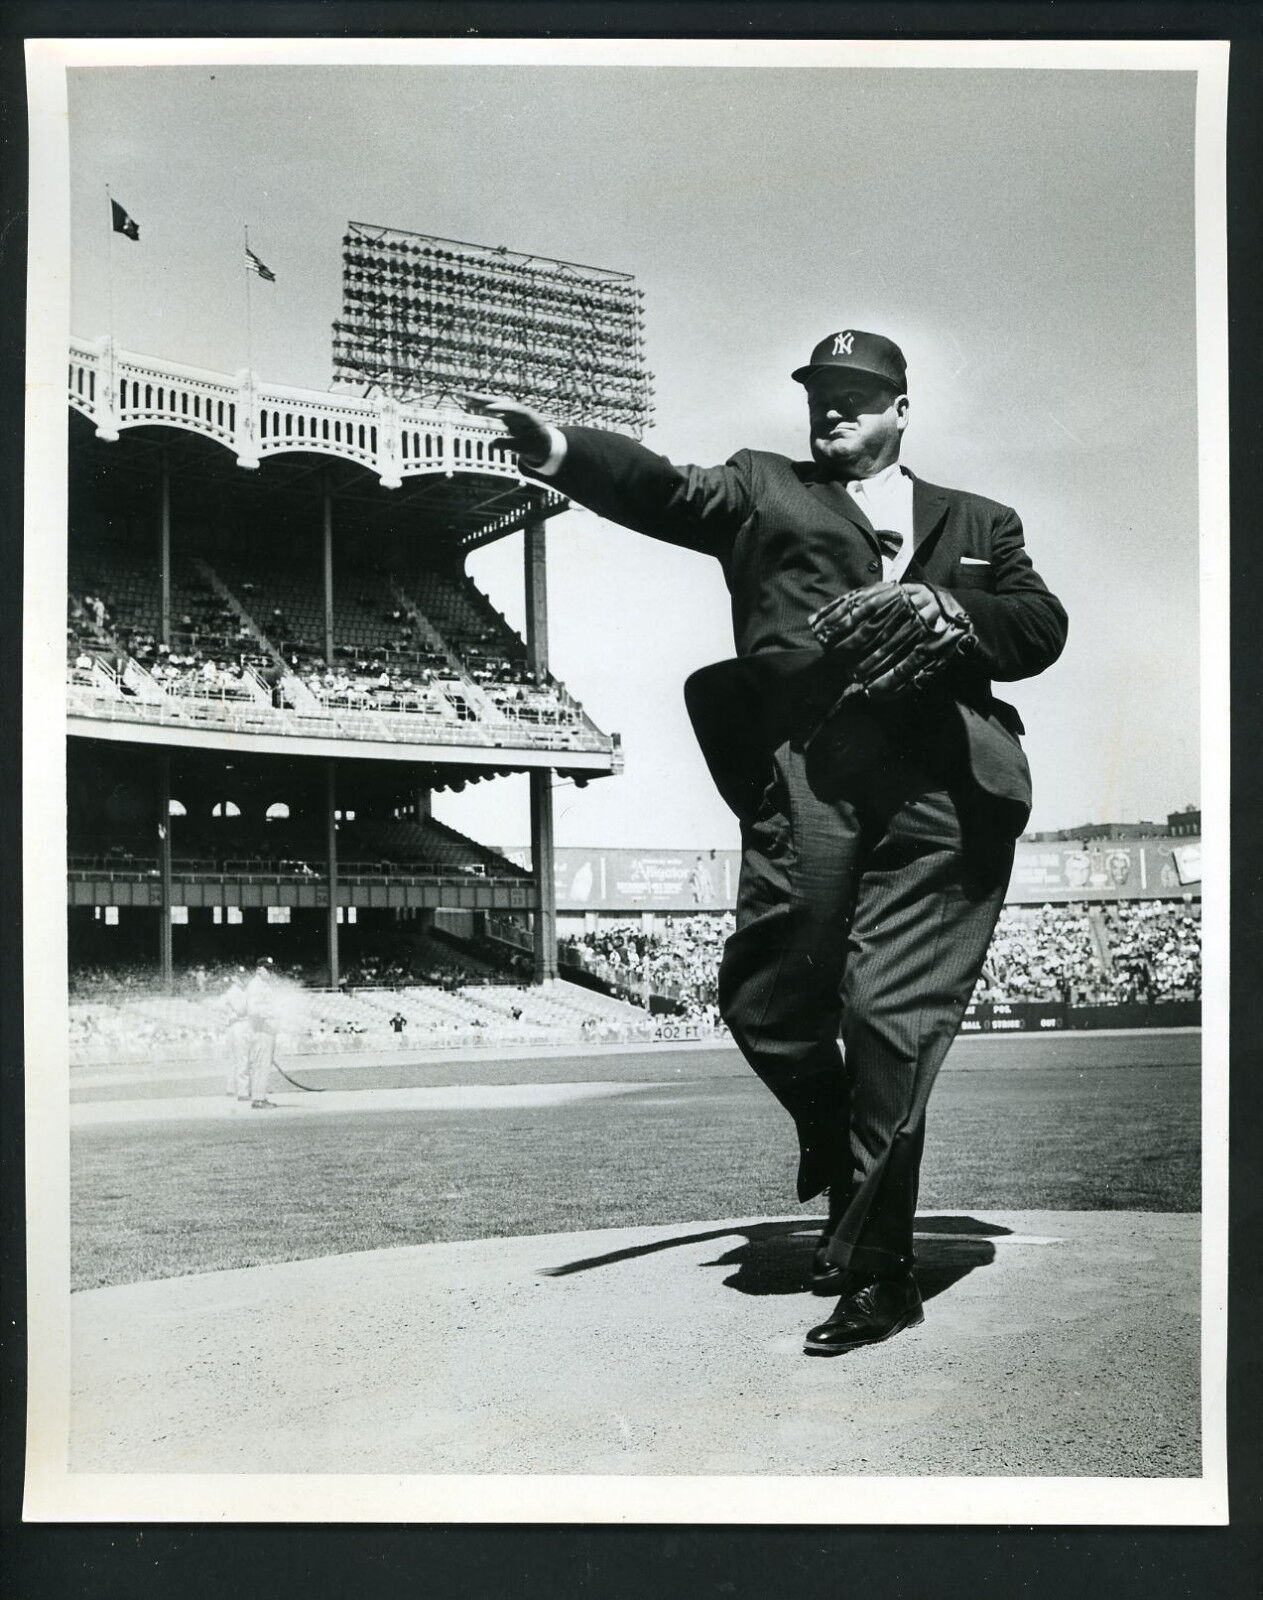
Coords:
pixel 427 320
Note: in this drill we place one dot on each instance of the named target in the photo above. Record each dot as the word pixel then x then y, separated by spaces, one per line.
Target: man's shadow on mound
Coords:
pixel 775 1257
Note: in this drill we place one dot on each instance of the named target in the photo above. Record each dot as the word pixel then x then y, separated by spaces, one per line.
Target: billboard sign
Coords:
pixel 625 882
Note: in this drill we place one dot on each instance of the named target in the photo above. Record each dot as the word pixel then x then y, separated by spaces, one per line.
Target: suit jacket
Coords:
pixel 789 540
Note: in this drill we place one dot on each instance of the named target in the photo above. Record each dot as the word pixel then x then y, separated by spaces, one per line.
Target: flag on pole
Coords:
pixel 253 264
pixel 122 222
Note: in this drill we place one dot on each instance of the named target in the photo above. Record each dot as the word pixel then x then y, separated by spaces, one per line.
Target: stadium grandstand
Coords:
pixel 275 657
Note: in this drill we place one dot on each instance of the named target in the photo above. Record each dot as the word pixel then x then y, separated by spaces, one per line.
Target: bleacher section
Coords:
pixel 1043 953
pixel 678 961
pixel 1076 954
pixel 428 991
pixel 422 844
pixel 298 845
pixel 1153 952
pixel 114 620
pixel 127 585
pixel 250 633
pixel 467 620
pixel 147 1029
pixel 493 654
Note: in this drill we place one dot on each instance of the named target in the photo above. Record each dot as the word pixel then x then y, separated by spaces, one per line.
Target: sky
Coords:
pixel 1025 235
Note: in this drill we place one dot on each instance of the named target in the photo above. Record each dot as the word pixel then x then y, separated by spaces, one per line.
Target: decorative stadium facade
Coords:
pixel 275 656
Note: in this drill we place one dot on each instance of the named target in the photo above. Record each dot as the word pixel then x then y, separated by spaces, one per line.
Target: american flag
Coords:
pixel 253 264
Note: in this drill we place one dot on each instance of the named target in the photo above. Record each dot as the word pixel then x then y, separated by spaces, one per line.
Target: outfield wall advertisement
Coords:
pixel 630 881
pixel 1123 869
pixel 643 880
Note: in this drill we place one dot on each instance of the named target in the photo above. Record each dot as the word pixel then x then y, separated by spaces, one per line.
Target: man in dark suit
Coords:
pixel 877 840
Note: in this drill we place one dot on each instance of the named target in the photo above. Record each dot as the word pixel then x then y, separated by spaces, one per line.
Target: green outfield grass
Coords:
pixel 161 1199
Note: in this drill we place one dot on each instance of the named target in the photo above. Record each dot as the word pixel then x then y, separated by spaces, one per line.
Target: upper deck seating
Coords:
pixel 429 843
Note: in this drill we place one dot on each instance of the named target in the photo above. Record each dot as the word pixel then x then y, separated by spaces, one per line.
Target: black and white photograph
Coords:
pixel 625 646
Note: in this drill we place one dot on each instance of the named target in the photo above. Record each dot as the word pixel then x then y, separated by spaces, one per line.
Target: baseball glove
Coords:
pixel 885 647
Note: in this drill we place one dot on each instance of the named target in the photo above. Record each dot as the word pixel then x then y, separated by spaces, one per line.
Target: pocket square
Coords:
pixel 974 561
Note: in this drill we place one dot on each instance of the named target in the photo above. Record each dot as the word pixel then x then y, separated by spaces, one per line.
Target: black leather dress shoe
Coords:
pixel 871 1312
pixel 826 1278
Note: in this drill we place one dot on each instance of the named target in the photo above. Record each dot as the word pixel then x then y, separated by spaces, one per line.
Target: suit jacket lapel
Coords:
pixel 929 512
pixel 828 492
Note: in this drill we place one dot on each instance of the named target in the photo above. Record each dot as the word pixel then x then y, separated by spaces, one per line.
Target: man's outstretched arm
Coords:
pixel 700 508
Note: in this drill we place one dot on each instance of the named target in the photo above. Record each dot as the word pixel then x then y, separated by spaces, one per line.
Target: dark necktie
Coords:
pixel 891 542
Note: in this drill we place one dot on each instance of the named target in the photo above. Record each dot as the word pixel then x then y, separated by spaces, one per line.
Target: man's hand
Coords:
pixel 528 431
pixel 884 642
pixel 927 604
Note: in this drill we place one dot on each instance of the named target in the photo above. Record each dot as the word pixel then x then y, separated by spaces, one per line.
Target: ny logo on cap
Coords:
pixel 842 343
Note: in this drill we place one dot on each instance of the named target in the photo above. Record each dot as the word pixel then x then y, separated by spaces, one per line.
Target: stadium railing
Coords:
pixel 386 726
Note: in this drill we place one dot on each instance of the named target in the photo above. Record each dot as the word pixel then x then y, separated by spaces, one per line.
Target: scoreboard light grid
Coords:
pixel 428 319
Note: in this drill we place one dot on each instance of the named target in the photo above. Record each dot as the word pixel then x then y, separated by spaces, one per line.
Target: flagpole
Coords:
pixel 109 258
pixel 245 262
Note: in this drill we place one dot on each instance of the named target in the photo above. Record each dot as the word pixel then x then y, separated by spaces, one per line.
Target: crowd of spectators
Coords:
pixel 434 962
pixel 88 618
pixel 212 654
pixel 380 970
pixel 1155 952
pixel 96 981
pixel 387 666
pixel 203 677
pixel 534 700
pixel 1039 953
pixel 1043 953
pixel 1152 953
pixel 514 687
pixel 1146 951
pixel 89 980
pixel 489 667
pixel 373 684
pixel 678 959
pixel 88 635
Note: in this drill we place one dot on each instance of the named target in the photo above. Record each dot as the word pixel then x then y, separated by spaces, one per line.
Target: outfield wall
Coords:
pixel 1049 1016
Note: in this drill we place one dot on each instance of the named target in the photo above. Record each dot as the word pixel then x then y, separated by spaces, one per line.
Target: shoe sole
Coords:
pixel 914 1319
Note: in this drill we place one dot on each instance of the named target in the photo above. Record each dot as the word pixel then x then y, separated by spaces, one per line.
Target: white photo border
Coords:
pixel 52 1492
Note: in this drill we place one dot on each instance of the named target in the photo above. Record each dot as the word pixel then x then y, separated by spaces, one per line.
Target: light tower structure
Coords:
pixel 428 320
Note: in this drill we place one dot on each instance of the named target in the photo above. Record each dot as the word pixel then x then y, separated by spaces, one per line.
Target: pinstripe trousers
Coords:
pixel 870 889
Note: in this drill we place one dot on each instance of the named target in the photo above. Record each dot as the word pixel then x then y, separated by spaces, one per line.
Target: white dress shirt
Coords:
pixel 551 466
pixel 886 500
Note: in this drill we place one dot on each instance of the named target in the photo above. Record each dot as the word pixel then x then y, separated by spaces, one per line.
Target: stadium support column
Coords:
pixel 536 552
pixel 327 497
pixel 164 543
pixel 541 780
pixel 543 859
pixel 165 962
pixel 331 822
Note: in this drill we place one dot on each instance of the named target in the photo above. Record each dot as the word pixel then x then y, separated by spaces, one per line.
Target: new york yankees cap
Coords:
pixel 855 351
